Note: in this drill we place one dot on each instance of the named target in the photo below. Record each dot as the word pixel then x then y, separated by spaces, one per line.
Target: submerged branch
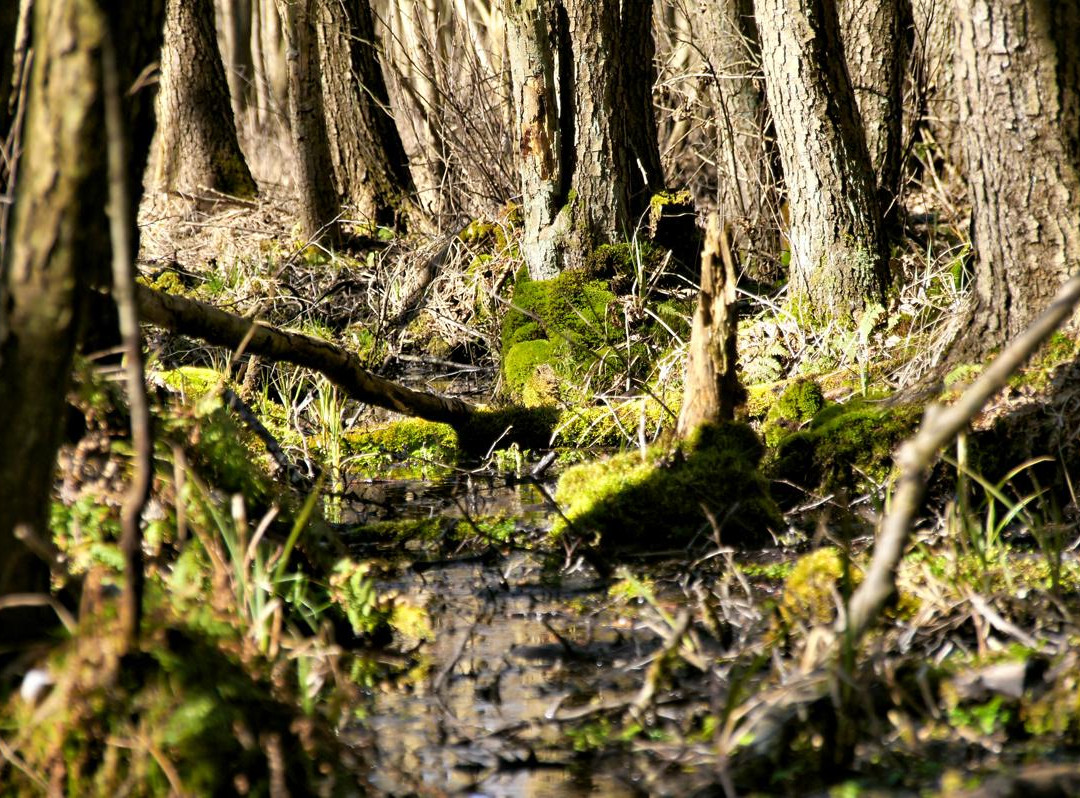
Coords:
pixel 201 320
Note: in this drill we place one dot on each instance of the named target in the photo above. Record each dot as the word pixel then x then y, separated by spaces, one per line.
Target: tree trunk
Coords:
pixel 271 73
pixel 1018 79
pixel 747 161
pixel 876 35
pixel 369 159
pixel 59 246
pixel 711 390
pixel 314 168
pixel 837 253
pixel 197 146
pixel 235 25
pixel 583 74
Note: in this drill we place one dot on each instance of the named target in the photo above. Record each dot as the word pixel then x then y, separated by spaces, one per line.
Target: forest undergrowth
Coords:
pixel 267 625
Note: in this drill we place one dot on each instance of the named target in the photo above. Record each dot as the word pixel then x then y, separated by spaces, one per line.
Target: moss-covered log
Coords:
pixel 340 366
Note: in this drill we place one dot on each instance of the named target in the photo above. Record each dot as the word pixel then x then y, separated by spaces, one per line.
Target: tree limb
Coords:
pixel 201 320
pixel 915 456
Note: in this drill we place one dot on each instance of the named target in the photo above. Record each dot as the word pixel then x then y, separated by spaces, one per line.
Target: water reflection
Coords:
pixel 509 651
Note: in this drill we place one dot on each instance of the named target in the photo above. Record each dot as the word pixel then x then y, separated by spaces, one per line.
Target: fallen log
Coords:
pixel 198 319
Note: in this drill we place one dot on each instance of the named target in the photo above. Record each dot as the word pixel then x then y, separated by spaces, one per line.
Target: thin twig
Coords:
pixel 121 225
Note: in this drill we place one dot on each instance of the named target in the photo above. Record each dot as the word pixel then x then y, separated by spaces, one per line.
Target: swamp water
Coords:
pixel 518 650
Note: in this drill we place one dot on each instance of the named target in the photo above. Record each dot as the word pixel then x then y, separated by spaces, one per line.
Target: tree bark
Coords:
pixel 236 33
pixel 1018 82
pixel 314 169
pixel 748 165
pixel 197 146
pixel 583 74
pixel 711 389
pixel 837 253
pixel 369 159
pixel 876 36
pixel 59 246
pixel 271 72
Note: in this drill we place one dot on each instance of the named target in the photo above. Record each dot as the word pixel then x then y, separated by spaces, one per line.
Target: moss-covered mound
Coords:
pixel 410 437
pixel 799 403
pixel 554 330
pixel 844 446
pixel 667 497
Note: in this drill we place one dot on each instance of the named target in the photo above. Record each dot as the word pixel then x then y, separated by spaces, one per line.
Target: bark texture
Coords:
pixel 369 159
pixel 197 146
pixel 235 25
pixel 59 246
pixel 271 73
pixel 876 36
pixel 314 170
pixel 583 75
pixel 837 253
pixel 1017 78
pixel 747 161
pixel 712 390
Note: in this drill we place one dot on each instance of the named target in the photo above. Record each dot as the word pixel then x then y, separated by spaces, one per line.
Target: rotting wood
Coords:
pixel 712 385
pixel 199 319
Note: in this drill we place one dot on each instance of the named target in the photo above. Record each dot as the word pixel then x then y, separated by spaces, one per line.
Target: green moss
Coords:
pixel 530 428
pixel 193 381
pixel 191 708
pixel 227 455
pixel 660 499
pixel 522 361
pixel 623 258
pixel 571 307
pixel 798 404
pixel 1058 349
pixel 168 282
pixel 813 586
pixel 844 445
pixel 663 198
pixel 410 437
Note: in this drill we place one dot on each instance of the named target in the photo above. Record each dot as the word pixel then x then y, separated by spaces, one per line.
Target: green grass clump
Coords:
pixel 664 497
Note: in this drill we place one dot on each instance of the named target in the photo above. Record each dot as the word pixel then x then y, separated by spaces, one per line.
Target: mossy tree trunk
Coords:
pixel 369 159
pixel 317 196
pixel 59 248
pixel 583 74
pixel 1018 84
pixel 877 42
pixel 712 390
pixel 838 262
pixel 197 146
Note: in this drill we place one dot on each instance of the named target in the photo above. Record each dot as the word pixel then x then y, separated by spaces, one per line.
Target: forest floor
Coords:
pixel 398 611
